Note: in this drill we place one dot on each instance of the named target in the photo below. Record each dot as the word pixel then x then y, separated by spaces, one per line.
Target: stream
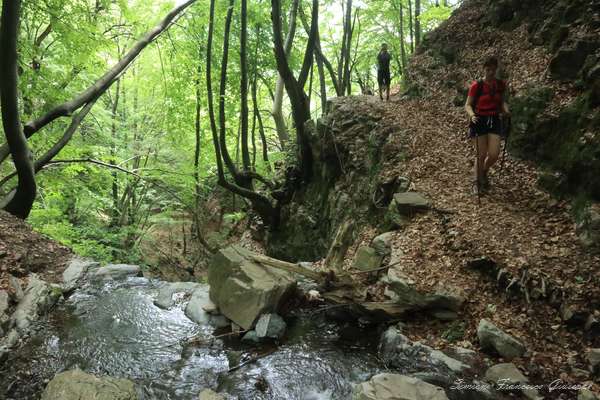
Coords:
pixel 113 328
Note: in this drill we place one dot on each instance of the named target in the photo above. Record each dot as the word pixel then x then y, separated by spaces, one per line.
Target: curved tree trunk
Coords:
pixel 23 197
pixel 295 87
pixel 277 112
pixel 417 23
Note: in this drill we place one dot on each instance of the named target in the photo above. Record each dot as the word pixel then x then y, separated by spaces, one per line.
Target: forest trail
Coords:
pixel 517 225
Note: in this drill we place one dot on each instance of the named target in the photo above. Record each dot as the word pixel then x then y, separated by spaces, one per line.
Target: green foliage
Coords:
pixel 145 124
pixel 454 332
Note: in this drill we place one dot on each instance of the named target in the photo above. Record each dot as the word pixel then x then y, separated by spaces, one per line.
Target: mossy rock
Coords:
pixel 561 144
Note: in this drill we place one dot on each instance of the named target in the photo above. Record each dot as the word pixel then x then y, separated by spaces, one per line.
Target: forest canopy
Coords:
pixel 118 114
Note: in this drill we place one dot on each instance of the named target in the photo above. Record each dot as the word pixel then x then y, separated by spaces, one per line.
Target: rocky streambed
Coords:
pixel 109 333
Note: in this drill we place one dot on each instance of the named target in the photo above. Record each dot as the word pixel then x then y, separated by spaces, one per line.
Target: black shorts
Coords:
pixel 383 77
pixel 486 124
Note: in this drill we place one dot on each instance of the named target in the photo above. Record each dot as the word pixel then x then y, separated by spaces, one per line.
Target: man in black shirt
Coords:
pixel 383 71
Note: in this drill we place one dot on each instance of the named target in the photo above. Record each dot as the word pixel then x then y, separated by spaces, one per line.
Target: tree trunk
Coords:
pixel 198 135
pixel 402 42
pixel 23 197
pixel 347 48
pixel 113 161
pixel 256 112
pixel 222 92
pixel 417 22
pixel 294 88
pixel 321 57
pixel 410 27
pixel 277 112
pixel 244 86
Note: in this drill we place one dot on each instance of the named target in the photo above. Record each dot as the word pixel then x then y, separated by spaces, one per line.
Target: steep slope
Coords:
pixel 23 251
pixel 517 256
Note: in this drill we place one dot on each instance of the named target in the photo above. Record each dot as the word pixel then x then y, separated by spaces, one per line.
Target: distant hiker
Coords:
pixel 383 71
pixel 486 106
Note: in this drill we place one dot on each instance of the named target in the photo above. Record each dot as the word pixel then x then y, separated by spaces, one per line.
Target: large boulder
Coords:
pixel 397 351
pixel 441 301
pixel 244 290
pixel 409 203
pixel 38 297
pixel 168 293
pixel 367 259
pixel 76 272
pixel 202 311
pixel 117 271
pixel 76 385
pixel 507 375
pixel 570 58
pixel 491 337
pixel 383 243
pixel 270 326
pixel 397 387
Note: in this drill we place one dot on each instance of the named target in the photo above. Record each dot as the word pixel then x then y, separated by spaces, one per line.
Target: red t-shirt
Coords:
pixel 488 104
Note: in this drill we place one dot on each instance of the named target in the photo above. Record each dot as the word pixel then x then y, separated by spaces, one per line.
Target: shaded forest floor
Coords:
pixel 24 251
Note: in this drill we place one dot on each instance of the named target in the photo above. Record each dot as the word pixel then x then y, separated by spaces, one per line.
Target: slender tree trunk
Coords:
pixel 113 154
pixel 310 84
pixel 323 61
pixel 351 60
pixel 244 86
pixel 23 197
pixel 410 27
pixel 222 92
pixel 256 112
pixel 417 22
pixel 198 134
pixel 402 41
pixel 280 125
pixel 347 47
pixel 322 84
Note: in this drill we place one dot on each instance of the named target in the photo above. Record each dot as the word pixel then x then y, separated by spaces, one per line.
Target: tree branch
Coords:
pixel 103 83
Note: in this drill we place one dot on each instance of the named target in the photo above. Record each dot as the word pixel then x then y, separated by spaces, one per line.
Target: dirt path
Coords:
pixel 520 227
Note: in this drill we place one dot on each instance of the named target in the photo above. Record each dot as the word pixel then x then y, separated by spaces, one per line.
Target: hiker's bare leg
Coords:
pixel 480 145
pixel 380 92
pixel 387 89
pixel 493 151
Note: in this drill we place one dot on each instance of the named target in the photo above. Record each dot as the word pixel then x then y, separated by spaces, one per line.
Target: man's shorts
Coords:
pixel 486 124
pixel 383 77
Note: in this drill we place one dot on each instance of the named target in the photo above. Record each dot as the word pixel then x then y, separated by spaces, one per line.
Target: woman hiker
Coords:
pixel 486 106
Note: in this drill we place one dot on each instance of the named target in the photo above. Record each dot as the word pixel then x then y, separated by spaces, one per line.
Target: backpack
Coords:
pixel 506 125
pixel 479 90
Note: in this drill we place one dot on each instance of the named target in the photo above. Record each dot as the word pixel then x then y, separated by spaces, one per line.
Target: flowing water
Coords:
pixel 113 328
